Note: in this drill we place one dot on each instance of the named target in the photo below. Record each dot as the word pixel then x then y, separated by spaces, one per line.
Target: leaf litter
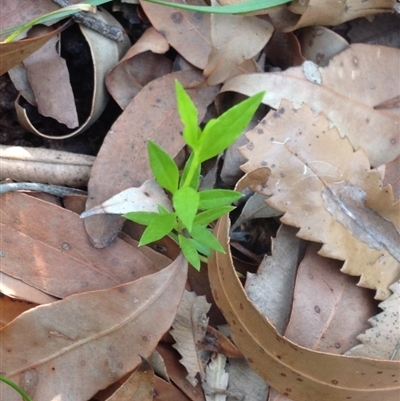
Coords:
pixel 354 214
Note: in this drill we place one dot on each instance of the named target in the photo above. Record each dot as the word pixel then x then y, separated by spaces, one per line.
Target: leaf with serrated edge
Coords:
pixel 382 341
pixel 99 331
pixel 189 328
pixel 329 192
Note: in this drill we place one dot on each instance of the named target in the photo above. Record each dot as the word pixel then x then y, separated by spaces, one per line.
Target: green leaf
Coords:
pixel 220 133
pixel 202 249
pixel 186 202
pixel 188 113
pixel 205 218
pixel 237 8
pixel 189 251
pixel 213 198
pixel 206 238
pixel 162 225
pixel 195 179
pixel 144 218
pixel 165 170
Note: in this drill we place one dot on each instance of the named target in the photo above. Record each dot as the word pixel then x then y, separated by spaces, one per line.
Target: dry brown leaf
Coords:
pixel 271 289
pixel 74 347
pixel 329 310
pixel 188 330
pixel 105 54
pixel 187 32
pixel 13 53
pixel 138 387
pixel 326 12
pixel 329 192
pixel 293 370
pixel 122 160
pixel 352 84
pixel 382 341
pixel 165 391
pixel 46 71
pixel 46 247
pixel 177 373
pixel 320 44
pixel 392 176
pixel 234 39
pixel 45 165
pixel 142 63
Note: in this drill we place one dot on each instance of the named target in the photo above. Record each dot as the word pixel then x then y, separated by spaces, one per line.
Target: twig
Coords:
pixel 32 186
pixel 111 32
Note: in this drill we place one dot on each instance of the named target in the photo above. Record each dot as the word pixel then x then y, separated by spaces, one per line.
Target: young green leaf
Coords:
pixel 188 113
pixel 220 133
pixel 213 198
pixel 194 180
pixel 165 170
pixel 186 202
pixel 205 218
pixel 206 238
pixel 162 225
pixel 189 251
pixel 144 218
pixel 202 249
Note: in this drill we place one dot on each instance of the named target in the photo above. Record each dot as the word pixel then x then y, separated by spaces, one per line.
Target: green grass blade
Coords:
pixel 238 8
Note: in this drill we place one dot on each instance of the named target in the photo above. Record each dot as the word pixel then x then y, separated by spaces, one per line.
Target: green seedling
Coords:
pixel 16 388
pixel 194 210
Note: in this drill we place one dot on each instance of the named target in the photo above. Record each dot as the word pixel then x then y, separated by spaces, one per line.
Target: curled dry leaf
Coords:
pixel 320 12
pixel 382 341
pixel 352 84
pixel 145 198
pixel 105 54
pixel 188 330
pixel 216 379
pixel 329 192
pixel 45 165
pixel 291 369
pixel 74 347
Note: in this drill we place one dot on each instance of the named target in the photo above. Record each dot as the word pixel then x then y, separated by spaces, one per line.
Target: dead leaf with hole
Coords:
pixel 74 347
pixel 45 166
pixel 142 63
pixel 293 370
pixel 352 84
pixel 329 310
pixel 234 39
pixel 329 192
pixel 300 13
pixel 187 32
pixel 46 247
pixel 188 329
pixel 382 341
pixel 122 160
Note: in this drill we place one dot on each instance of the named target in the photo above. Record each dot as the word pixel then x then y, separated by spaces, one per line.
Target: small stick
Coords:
pixel 111 32
pixel 56 190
